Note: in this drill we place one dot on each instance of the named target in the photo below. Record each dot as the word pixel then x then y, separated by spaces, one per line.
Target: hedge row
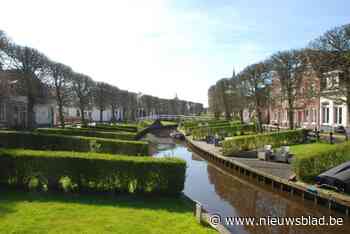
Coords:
pixel 252 142
pixel 116 127
pixel 196 123
pixel 39 141
pixel 226 131
pixel 72 171
pixel 314 159
pixel 208 124
pixel 88 132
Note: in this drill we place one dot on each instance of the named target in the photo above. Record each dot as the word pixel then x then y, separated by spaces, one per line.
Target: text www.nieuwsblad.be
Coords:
pixel 216 219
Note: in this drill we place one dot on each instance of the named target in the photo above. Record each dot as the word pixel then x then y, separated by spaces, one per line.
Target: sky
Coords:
pixel 167 47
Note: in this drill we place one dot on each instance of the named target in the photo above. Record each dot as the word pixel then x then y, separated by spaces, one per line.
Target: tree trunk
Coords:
pixel 241 113
pixel 227 115
pixel 291 118
pixel 259 120
pixel 60 110
pixel 30 113
pixel 101 115
pixel 82 114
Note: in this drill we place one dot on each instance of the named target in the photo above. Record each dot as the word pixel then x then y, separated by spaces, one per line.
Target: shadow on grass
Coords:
pixel 9 197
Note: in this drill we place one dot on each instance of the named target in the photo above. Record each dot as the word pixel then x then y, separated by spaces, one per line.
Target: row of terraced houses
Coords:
pixel 311 111
pixel 13 106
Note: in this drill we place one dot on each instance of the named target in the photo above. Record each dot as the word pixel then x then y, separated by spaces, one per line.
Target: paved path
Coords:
pixel 282 170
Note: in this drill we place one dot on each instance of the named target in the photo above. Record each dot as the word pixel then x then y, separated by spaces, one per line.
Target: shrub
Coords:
pixel 314 159
pixel 91 172
pixel 39 141
pixel 252 142
pixel 224 131
pixel 115 127
pixel 88 132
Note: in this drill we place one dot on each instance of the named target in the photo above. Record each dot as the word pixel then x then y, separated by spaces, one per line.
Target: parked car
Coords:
pixel 340 129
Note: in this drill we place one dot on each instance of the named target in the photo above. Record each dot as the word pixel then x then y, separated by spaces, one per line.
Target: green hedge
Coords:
pixel 116 127
pixel 39 141
pixel 88 133
pixel 189 128
pixel 224 131
pixel 252 142
pixel 314 159
pixel 72 171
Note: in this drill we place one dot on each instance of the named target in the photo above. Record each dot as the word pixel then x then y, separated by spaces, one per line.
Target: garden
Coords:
pixel 74 177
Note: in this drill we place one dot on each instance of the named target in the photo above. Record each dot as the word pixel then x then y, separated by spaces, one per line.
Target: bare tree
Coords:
pixel 30 63
pixel 289 67
pixel 83 87
pixel 3 43
pixel 331 52
pixel 59 76
pixel 101 97
pixel 255 80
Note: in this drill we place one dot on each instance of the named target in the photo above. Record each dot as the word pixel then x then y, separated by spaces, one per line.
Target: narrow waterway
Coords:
pixel 232 195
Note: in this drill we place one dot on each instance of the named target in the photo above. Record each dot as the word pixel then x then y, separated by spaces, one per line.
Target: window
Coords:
pixel 338 115
pixel 325 114
pixel 2 112
pixel 332 82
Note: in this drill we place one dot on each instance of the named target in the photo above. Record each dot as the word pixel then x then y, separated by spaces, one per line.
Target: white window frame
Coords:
pixel 338 115
pixel 325 114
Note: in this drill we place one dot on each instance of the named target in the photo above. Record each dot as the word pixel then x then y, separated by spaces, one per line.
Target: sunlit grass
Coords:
pixel 27 213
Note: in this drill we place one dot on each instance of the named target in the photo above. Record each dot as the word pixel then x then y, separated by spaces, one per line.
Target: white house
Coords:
pixel 332 114
pixel 333 110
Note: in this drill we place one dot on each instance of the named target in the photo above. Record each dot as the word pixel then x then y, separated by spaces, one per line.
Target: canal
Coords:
pixel 232 195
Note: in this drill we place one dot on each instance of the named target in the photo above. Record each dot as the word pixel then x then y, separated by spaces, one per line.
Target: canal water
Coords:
pixel 231 195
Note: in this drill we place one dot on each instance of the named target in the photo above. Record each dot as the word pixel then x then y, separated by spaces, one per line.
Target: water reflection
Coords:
pixel 230 195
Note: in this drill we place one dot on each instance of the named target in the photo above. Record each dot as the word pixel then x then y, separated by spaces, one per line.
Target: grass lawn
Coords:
pixel 305 150
pixel 167 123
pixel 22 212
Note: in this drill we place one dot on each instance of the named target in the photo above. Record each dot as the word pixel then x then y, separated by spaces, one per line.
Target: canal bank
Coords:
pixel 230 194
pixel 276 175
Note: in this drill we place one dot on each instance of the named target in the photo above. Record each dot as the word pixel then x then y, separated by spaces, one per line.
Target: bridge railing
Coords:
pixel 172 117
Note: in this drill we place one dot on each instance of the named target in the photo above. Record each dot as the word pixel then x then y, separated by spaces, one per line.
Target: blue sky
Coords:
pixel 163 47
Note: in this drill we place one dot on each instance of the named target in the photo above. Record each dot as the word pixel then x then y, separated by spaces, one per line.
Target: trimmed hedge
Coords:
pixel 91 172
pixel 89 133
pixel 189 127
pixel 253 142
pixel 225 131
pixel 314 159
pixel 116 127
pixel 39 141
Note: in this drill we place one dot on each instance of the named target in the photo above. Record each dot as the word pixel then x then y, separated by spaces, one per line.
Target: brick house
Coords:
pixel 306 106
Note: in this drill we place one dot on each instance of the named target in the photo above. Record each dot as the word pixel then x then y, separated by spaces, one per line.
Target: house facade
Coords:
pixel 317 106
pixel 13 104
pixel 333 110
